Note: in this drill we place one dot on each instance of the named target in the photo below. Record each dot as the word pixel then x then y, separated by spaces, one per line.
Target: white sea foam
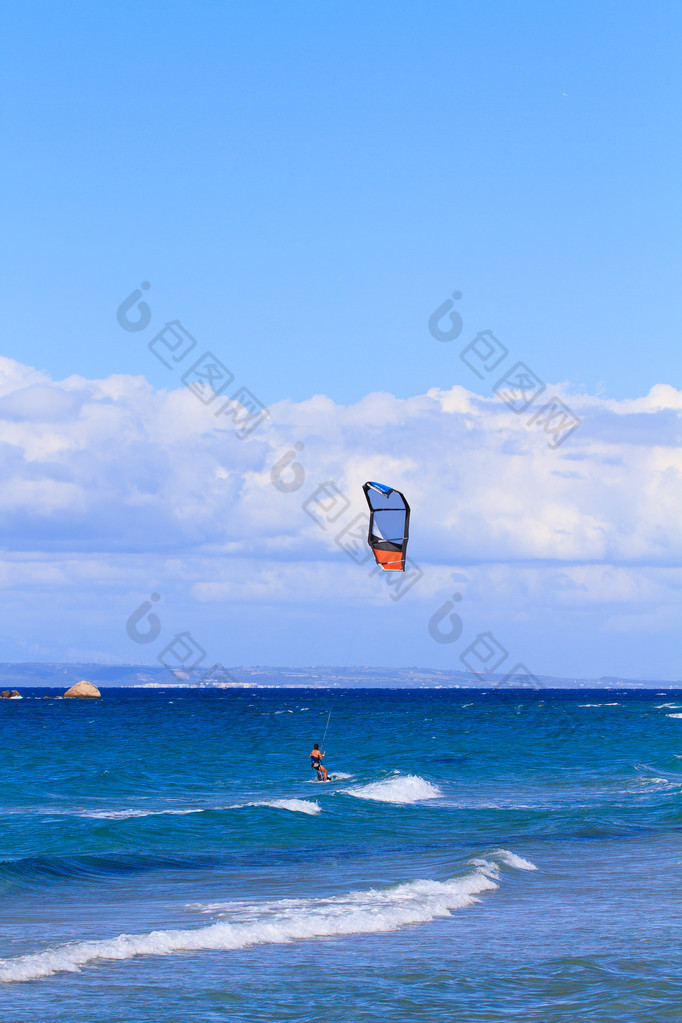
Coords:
pixel 491 861
pixel 512 860
pixel 282 920
pixel 643 786
pixel 333 776
pixel 674 715
pixel 664 706
pixel 123 815
pixel 406 788
pixel 295 805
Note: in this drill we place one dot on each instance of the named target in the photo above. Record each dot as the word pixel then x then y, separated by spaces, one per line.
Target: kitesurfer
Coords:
pixel 316 763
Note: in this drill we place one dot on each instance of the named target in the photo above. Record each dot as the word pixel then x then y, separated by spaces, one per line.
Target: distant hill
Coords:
pixel 35 673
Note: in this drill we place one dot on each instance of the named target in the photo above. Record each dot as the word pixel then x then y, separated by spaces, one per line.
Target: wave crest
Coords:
pixel 372 911
pixel 407 788
pixel 294 805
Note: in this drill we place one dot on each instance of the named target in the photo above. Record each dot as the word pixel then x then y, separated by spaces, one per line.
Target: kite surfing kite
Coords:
pixel 389 520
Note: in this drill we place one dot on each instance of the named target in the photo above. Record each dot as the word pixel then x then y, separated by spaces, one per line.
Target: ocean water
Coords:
pixel 478 855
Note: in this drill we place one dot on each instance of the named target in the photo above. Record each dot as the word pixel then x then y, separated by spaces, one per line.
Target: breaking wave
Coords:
pixel 409 788
pixel 124 815
pixel 372 911
pixel 510 858
pixel 295 805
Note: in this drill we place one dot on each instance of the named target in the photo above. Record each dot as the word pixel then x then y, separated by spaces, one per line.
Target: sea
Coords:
pixel 169 856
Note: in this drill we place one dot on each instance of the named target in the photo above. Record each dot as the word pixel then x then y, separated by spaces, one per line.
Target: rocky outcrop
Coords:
pixel 84 690
pixel 10 694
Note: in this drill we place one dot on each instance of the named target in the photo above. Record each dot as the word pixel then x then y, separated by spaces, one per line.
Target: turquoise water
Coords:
pixel 477 856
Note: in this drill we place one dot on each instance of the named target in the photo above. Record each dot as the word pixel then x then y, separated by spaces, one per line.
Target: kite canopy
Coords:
pixel 389 520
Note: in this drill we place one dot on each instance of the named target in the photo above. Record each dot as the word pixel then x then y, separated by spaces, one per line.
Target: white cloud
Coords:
pixel 111 483
pixel 115 465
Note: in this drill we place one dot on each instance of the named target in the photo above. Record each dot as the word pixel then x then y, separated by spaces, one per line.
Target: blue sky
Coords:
pixel 302 185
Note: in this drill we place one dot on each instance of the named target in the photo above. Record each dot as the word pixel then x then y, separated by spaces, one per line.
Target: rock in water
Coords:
pixel 10 694
pixel 85 690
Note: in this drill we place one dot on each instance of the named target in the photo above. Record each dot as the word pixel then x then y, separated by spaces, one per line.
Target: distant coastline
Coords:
pixel 51 675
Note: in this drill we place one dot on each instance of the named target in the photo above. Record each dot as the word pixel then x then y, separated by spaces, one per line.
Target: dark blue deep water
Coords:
pixel 167 855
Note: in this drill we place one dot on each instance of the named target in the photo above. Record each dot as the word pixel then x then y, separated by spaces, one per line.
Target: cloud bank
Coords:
pixel 110 483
